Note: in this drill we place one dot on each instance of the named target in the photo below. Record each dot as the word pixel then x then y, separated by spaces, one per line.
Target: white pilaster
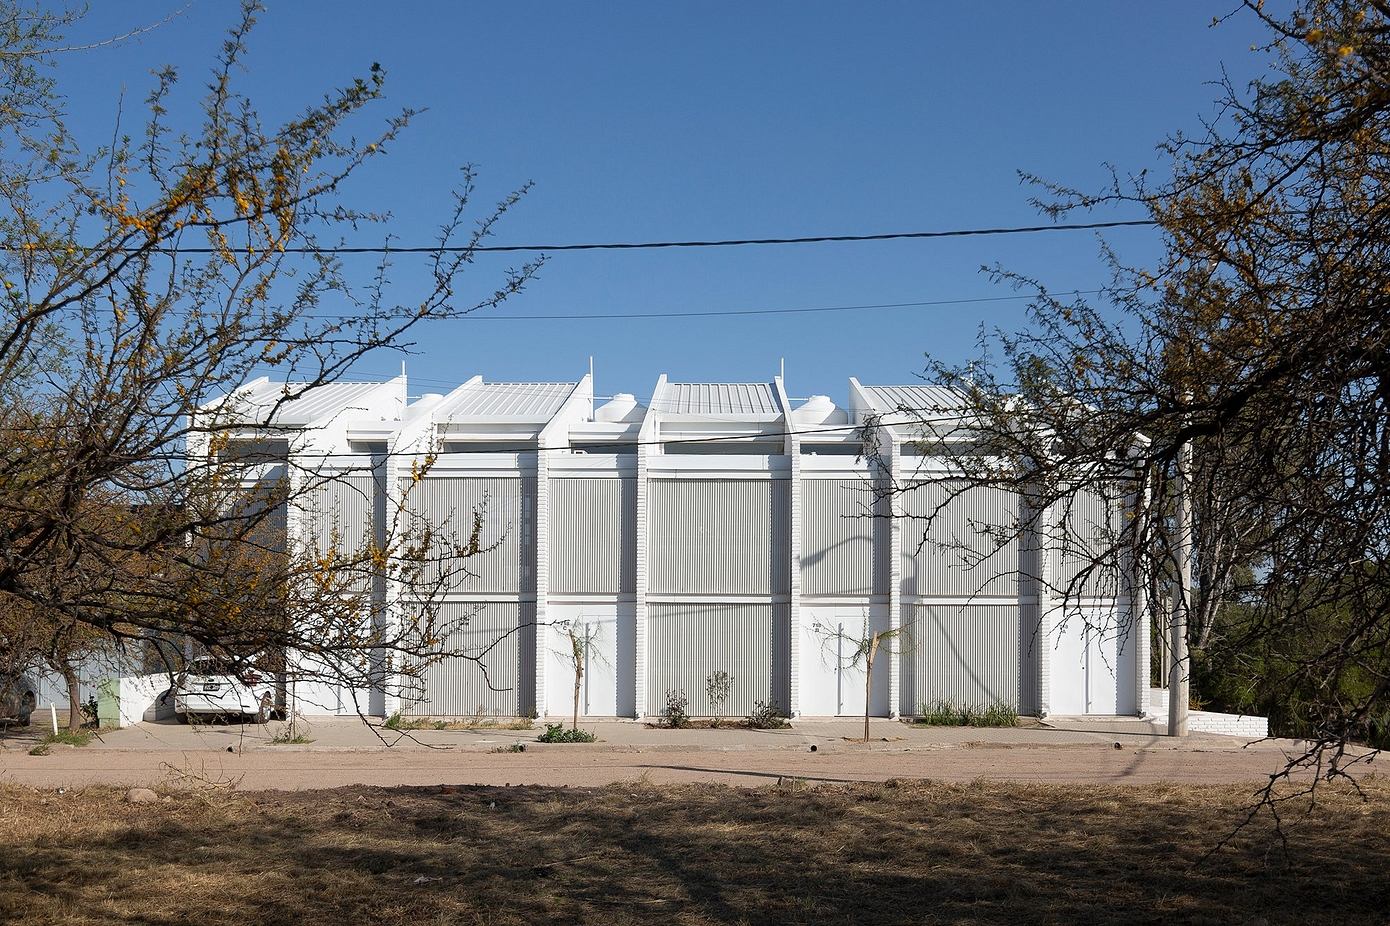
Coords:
pixel 793 451
pixel 542 625
pixel 1046 607
pixel 892 459
pixel 647 437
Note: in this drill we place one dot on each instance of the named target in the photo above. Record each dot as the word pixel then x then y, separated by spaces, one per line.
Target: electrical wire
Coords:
pixel 723 313
pixel 648 245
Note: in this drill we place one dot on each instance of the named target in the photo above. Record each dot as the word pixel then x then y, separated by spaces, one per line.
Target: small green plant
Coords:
pixel 89 712
pixel 765 716
pixel 67 738
pixel 42 749
pixel 514 747
pixel 717 686
pixel 556 733
pixel 288 737
pixel 674 714
pixel 942 713
pixel 476 722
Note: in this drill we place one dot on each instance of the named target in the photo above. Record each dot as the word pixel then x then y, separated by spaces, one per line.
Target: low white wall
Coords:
pixel 139 698
pixel 1248 726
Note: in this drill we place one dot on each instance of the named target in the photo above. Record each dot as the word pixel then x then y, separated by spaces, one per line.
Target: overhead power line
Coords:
pixel 733 242
pixel 648 245
pixel 721 313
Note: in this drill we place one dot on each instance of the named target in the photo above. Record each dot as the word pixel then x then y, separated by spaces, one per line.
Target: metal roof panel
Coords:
pixel 738 399
pixel 518 402
pixel 254 402
pixel 921 399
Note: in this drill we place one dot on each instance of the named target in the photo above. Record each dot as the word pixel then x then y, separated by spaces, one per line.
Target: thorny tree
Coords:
pixel 170 267
pixel 1263 338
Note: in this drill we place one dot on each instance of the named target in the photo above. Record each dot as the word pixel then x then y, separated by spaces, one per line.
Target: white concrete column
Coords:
pixel 794 538
pixel 893 460
pixel 639 649
pixel 395 502
pixel 1140 604
pixel 542 626
pixel 792 448
pixel 1046 607
pixel 647 444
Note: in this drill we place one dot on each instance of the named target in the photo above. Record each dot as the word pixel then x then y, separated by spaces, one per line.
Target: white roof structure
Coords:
pixel 253 402
pixel 740 400
pixel 530 403
pixel 347 415
pixel 920 400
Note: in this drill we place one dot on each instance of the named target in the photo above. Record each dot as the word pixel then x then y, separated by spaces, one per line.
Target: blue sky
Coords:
pixel 641 121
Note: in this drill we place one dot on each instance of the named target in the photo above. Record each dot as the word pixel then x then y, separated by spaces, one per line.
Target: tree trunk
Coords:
pixel 74 697
pixel 869 681
pixel 578 679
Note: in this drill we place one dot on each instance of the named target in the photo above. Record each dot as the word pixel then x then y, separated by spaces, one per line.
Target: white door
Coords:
pixel 1067 665
pixel 832 668
pixel 1085 664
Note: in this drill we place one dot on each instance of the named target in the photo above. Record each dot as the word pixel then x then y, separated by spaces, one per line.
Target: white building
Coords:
pixel 715 526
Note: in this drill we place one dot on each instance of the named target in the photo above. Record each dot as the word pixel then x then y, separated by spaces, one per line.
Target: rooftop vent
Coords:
pixel 423 404
pixel 819 410
pixel 622 407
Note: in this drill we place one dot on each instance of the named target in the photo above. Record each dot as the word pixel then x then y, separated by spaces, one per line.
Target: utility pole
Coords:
pixel 1179 673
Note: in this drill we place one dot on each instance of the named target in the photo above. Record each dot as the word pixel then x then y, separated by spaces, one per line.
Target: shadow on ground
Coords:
pixel 787 853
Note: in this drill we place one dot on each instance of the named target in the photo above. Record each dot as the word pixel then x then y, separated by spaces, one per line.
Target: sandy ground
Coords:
pixel 347 753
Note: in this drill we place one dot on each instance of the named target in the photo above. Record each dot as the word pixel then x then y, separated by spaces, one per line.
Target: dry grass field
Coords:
pixel 901 852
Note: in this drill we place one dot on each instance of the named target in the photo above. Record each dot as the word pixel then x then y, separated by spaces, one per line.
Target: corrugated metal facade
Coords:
pixel 499 682
pixel 593 535
pixel 968 655
pixel 938 568
pixel 720 536
pixel 837 539
pixel 508 537
pixel 1091 525
pixel 344 504
pixel 344 516
pixel 689 641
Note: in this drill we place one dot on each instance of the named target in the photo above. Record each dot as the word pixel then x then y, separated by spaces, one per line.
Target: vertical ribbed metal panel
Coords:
pixel 837 537
pixel 781 657
pixel 690 641
pixel 345 504
pixel 1092 523
pixel 1030 641
pixel 967 655
pixel 507 563
pixel 501 681
pixel 720 536
pixel 593 546
pixel 341 517
pixel 939 567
